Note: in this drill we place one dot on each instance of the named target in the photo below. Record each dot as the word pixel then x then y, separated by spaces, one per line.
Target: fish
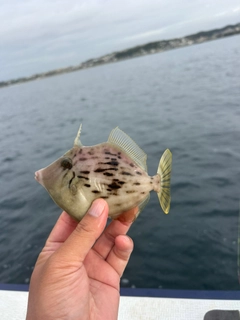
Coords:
pixel 115 170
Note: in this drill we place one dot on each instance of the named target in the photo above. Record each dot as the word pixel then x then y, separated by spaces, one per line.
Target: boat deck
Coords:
pixel 147 304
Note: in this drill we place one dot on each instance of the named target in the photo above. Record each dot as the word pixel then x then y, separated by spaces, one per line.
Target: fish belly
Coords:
pixel 110 174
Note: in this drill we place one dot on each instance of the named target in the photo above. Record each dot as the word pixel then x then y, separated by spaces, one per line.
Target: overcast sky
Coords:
pixel 41 35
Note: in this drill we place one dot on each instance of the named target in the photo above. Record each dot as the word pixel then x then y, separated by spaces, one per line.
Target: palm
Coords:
pixel 88 288
pixel 103 282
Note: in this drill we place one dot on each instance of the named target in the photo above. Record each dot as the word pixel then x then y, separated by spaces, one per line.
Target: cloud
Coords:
pixel 236 9
pixel 51 34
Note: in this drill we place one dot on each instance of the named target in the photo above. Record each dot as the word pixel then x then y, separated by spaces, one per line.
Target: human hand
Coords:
pixel 77 274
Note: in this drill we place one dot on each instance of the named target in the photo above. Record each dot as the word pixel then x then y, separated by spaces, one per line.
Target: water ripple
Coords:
pixel 160 102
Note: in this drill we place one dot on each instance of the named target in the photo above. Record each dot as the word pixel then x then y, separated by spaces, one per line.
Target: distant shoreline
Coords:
pixel 138 51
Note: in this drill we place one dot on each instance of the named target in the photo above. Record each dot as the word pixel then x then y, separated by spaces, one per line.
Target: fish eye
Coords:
pixel 66 164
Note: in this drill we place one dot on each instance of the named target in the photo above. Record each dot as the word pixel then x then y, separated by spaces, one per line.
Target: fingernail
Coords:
pixel 97 208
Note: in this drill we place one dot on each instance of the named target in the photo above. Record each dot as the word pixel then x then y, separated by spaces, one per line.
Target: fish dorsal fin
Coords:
pixel 77 141
pixel 120 139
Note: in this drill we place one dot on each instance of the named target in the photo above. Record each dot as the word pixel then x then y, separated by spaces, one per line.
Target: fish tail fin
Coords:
pixel 164 171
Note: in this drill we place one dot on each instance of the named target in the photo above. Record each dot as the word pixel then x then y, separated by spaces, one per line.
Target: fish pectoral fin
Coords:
pixel 120 139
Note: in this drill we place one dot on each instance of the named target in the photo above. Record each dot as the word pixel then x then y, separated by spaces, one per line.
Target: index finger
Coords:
pixel 62 229
pixel 106 241
pixel 83 237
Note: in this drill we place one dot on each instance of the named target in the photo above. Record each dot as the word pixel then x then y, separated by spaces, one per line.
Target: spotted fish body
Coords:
pixel 115 171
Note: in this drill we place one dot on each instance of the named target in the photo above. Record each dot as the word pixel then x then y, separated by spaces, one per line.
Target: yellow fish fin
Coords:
pixel 77 141
pixel 121 140
pixel 164 171
pixel 143 204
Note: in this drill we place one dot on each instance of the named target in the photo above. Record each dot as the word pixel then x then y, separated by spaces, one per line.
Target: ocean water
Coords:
pixel 187 100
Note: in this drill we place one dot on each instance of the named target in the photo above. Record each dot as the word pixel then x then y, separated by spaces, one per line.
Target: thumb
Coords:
pixel 88 230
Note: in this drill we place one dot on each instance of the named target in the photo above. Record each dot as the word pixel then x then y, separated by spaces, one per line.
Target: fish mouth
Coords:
pixel 47 176
pixel 37 176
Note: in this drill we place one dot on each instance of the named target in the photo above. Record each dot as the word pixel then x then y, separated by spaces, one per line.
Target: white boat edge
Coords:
pixel 136 304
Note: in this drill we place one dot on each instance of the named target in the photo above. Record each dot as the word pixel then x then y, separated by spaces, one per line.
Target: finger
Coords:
pixel 120 253
pixel 107 240
pixel 62 229
pixel 129 216
pixel 78 244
